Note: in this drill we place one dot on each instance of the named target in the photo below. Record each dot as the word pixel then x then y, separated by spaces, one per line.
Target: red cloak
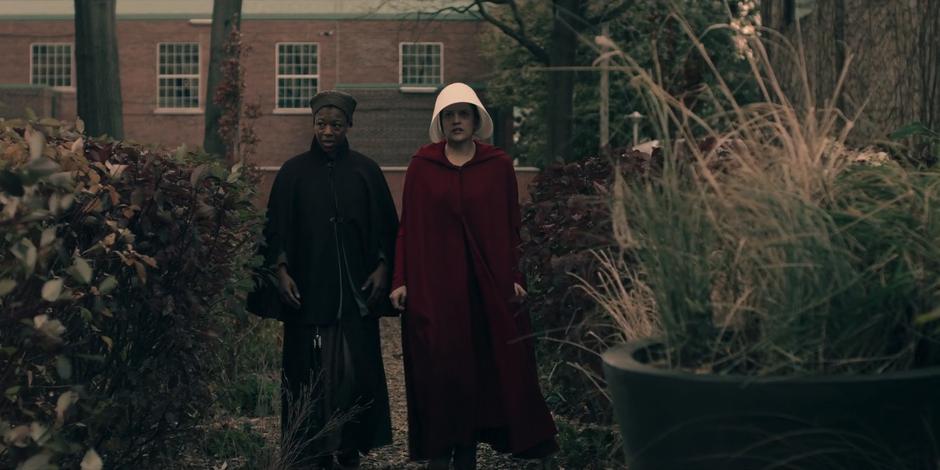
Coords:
pixel 469 363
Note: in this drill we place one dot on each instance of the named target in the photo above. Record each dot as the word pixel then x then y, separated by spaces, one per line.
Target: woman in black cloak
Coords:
pixel 329 242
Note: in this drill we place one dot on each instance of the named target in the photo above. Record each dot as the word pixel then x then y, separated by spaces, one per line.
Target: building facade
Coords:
pixel 390 57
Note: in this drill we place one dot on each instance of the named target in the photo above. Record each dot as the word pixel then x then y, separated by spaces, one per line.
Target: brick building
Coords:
pixel 390 58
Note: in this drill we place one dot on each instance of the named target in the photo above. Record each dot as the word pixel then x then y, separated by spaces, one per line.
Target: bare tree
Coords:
pixel 226 15
pixel 570 18
pixel 98 78
pixel 894 48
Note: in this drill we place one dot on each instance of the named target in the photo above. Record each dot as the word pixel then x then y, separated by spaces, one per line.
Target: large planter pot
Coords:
pixel 672 419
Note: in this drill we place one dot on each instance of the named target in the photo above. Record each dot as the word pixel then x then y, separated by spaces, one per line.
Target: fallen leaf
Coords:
pixel 81 270
pixel 141 271
pixel 51 328
pixel 37 462
pixel 25 251
pixel 48 236
pixel 107 285
pixel 51 290
pixel 91 461
pixel 78 146
pixel 7 286
pixel 149 261
pixel 17 436
pixel 36 142
pixel 39 433
pixel 65 401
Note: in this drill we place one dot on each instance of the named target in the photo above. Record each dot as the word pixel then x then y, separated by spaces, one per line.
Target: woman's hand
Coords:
pixel 519 292
pixel 399 297
pixel 288 288
pixel 376 284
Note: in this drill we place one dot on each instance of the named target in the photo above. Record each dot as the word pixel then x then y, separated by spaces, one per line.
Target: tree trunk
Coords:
pixel 98 78
pixel 562 47
pixel 226 14
pixel 895 50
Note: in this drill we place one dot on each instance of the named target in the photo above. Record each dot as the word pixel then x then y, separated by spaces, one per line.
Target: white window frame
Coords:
pixel 409 88
pixel 199 108
pixel 278 76
pixel 71 86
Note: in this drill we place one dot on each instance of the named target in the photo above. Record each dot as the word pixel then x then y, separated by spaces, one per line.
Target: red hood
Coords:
pixel 435 153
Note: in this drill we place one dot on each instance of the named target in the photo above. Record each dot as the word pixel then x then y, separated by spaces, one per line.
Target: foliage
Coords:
pixel 235 441
pixel 925 148
pixel 236 124
pixel 589 447
pixel 772 248
pixel 117 260
pixel 247 366
pixel 648 31
pixel 569 218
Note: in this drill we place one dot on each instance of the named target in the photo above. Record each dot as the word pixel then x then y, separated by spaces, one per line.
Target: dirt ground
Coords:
pixel 190 456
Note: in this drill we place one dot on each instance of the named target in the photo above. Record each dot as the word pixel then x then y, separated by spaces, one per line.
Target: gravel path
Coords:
pixel 193 455
pixel 395 456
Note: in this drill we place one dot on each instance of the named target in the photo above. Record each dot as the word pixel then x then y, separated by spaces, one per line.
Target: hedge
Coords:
pixel 118 261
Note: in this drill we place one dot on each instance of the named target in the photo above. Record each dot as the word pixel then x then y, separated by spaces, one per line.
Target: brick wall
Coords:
pixel 391 125
pixel 358 56
pixel 14 99
pixel 395 177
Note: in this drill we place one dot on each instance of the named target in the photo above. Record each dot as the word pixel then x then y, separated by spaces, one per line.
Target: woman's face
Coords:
pixel 330 126
pixel 458 122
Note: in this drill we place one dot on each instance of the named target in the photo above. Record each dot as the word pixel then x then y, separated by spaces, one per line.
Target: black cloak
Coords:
pixel 331 220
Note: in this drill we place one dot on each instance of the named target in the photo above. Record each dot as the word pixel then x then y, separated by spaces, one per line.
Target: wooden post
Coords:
pixel 605 97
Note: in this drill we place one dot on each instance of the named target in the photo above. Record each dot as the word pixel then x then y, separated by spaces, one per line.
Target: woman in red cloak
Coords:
pixel 469 363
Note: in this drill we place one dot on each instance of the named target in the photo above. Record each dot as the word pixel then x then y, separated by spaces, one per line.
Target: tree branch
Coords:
pixel 519 35
pixel 454 9
pixel 610 13
pixel 540 54
pixel 517 17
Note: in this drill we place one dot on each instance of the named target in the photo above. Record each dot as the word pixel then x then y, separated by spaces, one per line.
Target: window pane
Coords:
pixel 295 92
pixel 52 65
pixel 297 74
pixel 178 83
pixel 420 64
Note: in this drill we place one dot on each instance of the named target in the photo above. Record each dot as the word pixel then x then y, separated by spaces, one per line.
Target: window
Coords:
pixel 297 74
pixel 178 75
pixel 51 64
pixel 421 63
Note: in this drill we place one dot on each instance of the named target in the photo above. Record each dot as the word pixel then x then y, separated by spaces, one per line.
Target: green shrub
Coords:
pixel 767 247
pixel 253 394
pixel 588 446
pixel 648 30
pixel 234 442
pixel 917 144
pixel 117 260
pixel 568 218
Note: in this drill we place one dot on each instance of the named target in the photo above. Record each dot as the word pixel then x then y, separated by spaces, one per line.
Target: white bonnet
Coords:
pixel 458 93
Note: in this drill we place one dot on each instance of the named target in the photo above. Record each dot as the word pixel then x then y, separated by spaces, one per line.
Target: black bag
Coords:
pixel 265 300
